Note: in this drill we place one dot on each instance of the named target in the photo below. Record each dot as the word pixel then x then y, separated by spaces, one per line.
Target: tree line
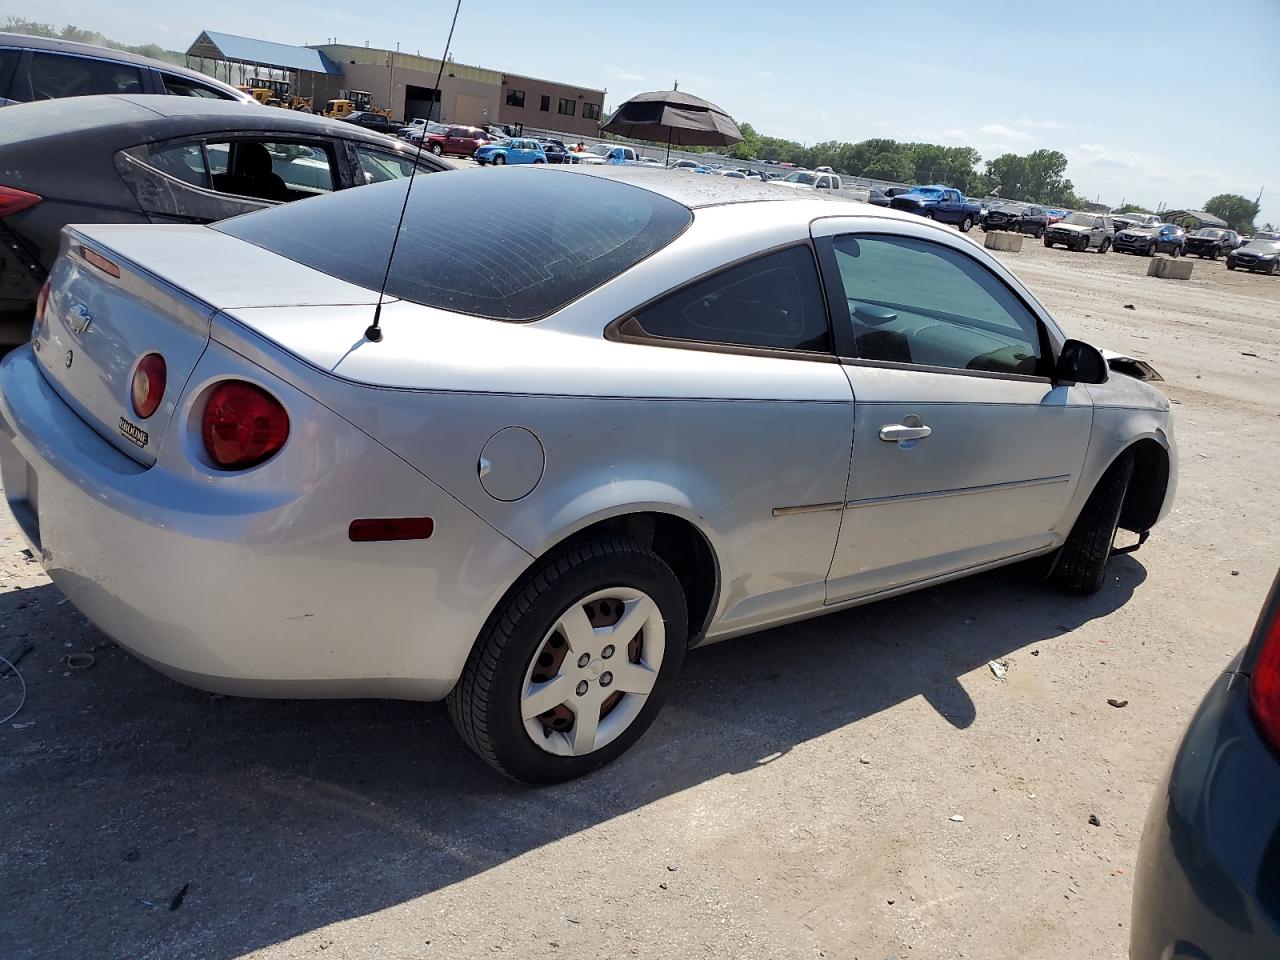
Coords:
pixel 33 28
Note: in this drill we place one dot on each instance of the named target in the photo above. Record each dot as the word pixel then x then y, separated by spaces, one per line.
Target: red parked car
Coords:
pixel 461 141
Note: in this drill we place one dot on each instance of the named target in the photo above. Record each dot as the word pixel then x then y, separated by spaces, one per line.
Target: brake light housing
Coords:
pixel 1264 681
pixel 242 425
pixel 13 200
pixel 147 389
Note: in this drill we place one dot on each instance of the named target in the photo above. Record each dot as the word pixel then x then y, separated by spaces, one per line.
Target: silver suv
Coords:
pixel 1080 231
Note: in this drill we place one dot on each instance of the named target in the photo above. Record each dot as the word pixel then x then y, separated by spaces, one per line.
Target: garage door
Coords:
pixel 472 110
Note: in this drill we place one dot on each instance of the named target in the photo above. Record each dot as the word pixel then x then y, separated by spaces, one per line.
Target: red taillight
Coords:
pixel 99 261
pixel 391 528
pixel 1264 684
pixel 15 201
pixel 148 384
pixel 242 425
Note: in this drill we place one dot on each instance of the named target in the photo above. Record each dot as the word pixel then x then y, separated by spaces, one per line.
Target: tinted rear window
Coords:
pixel 508 244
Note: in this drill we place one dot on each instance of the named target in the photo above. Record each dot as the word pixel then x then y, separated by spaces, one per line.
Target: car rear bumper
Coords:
pixel 1208 875
pixel 248 583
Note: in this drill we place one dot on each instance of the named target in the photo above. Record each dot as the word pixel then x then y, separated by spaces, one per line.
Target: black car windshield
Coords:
pixel 515 247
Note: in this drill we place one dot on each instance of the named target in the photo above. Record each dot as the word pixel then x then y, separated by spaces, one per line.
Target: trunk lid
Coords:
pixel 118 293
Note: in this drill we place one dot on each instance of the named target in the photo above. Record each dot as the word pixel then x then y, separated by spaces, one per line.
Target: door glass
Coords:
pixel 913 301
pixel 270 170
pixel 182 87
pixel 773 301
pixel 378 165
pixel 184 162
pixel 54 75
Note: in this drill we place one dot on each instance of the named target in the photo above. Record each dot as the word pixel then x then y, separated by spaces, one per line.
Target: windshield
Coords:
pixel 927 192
pixel 807 179
pixel 600 149
pixel 1209 233
pixel 1264 247
pixel 516 247
pixel 1080 219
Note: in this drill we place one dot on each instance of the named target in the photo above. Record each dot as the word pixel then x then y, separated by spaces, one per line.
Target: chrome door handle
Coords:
pixel 898 432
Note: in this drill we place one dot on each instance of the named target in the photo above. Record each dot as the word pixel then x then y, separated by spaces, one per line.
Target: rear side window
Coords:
pixel 377 166
pixel 774 301
pixel 55 75
pixel 9 57
pixel 182 87
pixel 515 247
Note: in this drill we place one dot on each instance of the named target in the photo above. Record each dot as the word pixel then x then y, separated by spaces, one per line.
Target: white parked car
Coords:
pixel 608 415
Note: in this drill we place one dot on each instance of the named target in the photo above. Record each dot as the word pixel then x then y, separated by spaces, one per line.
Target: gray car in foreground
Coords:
pixel 603 415
pixel 1208 881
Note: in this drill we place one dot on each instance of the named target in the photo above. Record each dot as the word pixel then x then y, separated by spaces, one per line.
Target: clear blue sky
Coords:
pixel 1138 96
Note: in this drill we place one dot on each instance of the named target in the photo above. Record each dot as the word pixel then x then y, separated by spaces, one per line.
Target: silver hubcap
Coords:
pixel 593 672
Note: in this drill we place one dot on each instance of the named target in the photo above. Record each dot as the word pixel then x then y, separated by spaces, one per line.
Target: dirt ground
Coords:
pixel 795 800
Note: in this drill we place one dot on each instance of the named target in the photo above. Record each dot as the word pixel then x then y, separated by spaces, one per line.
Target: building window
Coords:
pixel 546 103
pixel 591 111
pixel 515 98
pixel 568 107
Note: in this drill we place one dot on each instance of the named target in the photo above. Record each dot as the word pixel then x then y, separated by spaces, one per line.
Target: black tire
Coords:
pixel 1039 232
pixel 1048 243
pixel 1230 265
pixel 1081 564
pixel 1271 270
pixel 437 149
pixel 1151 250
pixel 1176 252
pixel 966 224
pixel 485 703
pixel 1105 246
pixel 929 215
pixel 499 160
pixel 1213 256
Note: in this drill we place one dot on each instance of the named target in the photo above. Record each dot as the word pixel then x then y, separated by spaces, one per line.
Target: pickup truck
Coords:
pixel 824 182
pixel 603 153
pixel 943 204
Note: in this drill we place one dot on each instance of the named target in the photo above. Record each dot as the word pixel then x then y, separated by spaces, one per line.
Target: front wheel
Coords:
pixel 1175 252
pixel 499 159
pixel 966 224
pixel 574 663
pixel 1081 564
pixel 1273 268
pixel 929 215
pixel 1230 265
pixel 1151 250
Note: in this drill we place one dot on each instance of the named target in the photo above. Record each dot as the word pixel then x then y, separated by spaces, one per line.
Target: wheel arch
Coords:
pixel 1148 488
pixel 677 535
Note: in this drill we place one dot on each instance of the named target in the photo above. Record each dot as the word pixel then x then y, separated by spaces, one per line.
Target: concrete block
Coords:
pixel 1001 240
pixel 1169 269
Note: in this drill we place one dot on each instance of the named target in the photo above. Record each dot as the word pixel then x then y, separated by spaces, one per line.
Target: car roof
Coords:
pixel 76 115
pixel 110 53
pixel 697 191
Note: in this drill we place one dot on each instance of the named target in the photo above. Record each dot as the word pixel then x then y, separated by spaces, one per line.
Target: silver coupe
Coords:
pixel 604 415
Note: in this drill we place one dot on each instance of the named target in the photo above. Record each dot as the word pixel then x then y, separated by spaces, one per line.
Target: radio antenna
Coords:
pixel 374 331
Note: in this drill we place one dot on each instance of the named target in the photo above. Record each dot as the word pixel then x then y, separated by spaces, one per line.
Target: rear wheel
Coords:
pixel 574 664
pixel 1230 265
pixel 1081 565
pixel 437 149
pixel 1048 243
pixel 1105 245
pixel 1039 232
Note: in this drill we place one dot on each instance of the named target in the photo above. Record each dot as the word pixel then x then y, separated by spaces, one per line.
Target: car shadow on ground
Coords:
pixel 286 816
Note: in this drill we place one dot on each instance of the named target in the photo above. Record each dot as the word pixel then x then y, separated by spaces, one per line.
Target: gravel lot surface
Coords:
pixel 798 798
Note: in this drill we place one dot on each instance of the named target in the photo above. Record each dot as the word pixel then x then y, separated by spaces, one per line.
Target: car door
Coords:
pixel 1097 232
pixel 964 452
pixel 202 180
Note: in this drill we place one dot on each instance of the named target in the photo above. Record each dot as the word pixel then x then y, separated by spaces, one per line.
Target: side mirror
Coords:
pixel 1080 363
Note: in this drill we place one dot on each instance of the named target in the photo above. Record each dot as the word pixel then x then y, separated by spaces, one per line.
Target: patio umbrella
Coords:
pixel 677 118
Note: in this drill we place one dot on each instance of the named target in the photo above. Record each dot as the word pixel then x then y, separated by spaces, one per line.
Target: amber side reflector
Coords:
pixel 391 528
pixel 99 261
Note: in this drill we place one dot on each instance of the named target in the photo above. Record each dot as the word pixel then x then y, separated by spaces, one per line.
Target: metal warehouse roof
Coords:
pixel 263 53
pixel 1206 219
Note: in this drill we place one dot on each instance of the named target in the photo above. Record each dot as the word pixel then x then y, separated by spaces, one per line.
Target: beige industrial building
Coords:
pixel 405 83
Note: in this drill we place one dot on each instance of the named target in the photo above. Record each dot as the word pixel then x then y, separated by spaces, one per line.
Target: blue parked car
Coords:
pixel 515 150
